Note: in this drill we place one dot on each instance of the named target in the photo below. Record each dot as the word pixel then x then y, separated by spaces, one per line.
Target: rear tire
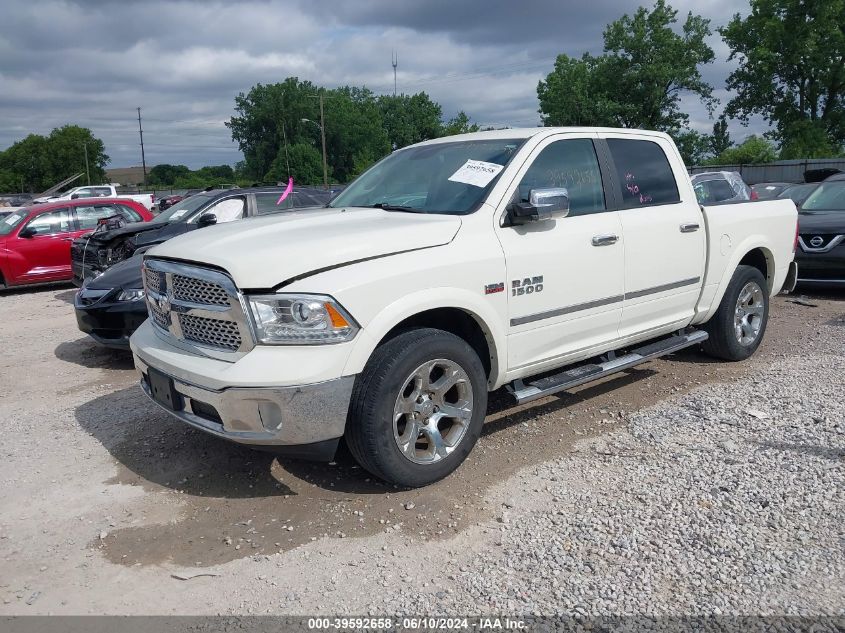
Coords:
pixel 737 328
pixel 417 407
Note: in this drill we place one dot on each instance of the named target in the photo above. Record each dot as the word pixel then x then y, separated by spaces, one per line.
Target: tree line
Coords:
pixel 791 71
pixel 278 129
pixel 38 162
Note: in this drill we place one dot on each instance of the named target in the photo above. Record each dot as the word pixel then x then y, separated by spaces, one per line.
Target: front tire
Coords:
pixel 417 408
pixel 737 328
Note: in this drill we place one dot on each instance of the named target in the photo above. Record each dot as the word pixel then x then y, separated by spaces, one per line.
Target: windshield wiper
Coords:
pixel 396 207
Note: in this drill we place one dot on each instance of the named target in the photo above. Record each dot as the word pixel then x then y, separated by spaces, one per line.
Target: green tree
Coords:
pixel 40 162
pixel 356 136
pixel 165 174
pixel 720 141
pixel 269 114
pixel 693 146
pixel 68 145
pixel 755 149
pixel 791 71
pixel 410 119
pixel 306 165
pixel 639 80
pixel 459 124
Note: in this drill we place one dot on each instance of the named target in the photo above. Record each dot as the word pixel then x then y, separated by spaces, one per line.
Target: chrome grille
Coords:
pixel 215 332
pixel 198 307
pixel 159 317
pixel 154 280
pixel 199 291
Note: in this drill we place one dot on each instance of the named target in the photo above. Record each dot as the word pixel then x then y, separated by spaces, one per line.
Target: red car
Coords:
pixel 35 241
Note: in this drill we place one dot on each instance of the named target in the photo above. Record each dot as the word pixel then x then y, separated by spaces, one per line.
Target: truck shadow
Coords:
pixel 154 450
pixel 216 501
pixel 86 353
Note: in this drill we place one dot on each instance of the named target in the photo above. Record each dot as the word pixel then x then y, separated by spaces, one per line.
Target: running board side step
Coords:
pixel 526 392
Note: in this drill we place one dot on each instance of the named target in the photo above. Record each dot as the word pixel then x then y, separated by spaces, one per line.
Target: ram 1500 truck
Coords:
pixel 536 259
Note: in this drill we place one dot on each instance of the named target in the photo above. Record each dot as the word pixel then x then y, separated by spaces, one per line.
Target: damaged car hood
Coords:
pixel 262 253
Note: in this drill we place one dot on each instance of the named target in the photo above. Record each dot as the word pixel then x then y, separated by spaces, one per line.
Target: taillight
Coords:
pixel 754 195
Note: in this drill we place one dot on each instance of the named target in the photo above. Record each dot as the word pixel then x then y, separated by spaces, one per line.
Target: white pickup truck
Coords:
pixel 535 259
pixel 100 191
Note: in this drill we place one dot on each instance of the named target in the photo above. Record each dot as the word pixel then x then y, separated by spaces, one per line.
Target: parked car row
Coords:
pixel 110 305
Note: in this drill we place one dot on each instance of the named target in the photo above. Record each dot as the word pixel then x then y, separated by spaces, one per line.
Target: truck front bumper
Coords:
pixel 262 416
pixel 256 401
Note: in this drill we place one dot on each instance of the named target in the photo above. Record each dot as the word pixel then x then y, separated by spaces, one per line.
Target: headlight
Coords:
pixel 288 319
pixel 131 294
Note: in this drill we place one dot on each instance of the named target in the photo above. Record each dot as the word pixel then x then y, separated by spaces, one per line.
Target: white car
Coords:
pixel 449 269
pixel 100 191
pixel 713 187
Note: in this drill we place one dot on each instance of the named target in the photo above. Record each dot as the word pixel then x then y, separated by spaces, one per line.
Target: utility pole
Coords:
pixel 143 159
pixel 323 134
pixel 87 174
pixel 394 59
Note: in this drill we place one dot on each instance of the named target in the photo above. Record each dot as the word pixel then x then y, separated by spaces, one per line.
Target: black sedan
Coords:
pixel 94 253
pixel 110 307
pixel 821 240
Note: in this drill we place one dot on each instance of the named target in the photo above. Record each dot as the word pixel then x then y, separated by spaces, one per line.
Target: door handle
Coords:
pixel 605 240
pixel 67 239
pixel 689 227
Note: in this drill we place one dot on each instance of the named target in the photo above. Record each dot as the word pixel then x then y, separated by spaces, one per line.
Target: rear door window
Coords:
pixel 266 202
pixel 643 173
pixel 89 216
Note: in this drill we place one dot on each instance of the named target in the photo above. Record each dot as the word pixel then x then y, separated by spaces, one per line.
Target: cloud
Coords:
pixel 93 62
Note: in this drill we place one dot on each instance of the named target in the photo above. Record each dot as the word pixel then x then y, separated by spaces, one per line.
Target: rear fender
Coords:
pixel 712 296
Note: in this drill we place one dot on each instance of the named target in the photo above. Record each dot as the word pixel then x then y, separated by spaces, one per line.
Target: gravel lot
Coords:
pixel 681 487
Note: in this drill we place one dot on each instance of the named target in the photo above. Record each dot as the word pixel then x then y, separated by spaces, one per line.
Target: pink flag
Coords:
pixel 288 189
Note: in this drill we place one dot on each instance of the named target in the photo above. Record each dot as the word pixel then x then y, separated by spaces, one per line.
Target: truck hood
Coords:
pixel 262 253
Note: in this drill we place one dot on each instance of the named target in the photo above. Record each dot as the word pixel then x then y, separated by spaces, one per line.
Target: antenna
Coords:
pixel 394 60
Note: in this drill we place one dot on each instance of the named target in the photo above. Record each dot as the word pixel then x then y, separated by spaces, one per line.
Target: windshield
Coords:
pixel 830 196
pixel 9 222
pixel 449 178
pixel 181 211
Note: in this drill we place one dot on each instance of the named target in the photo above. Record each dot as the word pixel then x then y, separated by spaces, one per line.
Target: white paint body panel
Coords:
pixel 384 267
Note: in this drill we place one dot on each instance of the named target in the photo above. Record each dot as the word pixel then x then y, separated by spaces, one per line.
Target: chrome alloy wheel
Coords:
pixel 433 411
pixel 748 316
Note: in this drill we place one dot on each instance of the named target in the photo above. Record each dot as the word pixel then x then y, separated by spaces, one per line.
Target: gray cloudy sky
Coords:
pixel 93 62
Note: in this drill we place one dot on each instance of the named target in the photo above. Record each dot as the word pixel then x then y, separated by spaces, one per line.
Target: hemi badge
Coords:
pixel 490 289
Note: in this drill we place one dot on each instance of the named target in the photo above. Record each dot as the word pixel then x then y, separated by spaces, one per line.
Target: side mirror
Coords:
pixel 206 219
pixel 75 196
pixel 543 204
pixel 27 232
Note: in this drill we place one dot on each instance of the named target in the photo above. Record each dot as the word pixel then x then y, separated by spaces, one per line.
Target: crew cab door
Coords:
pixel 45 255
pixel 664 234
pixel 564 276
